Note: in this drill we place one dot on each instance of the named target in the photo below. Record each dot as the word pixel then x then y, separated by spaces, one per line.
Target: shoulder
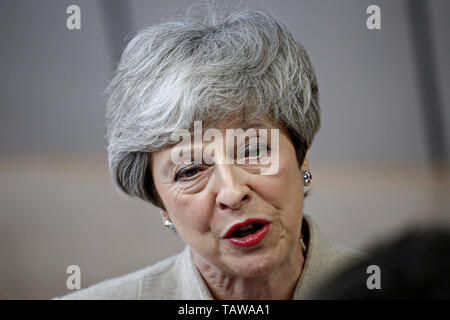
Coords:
pixel 348 256
pixel 127 287
pixel 323 260
pixel 328 256
pixel 327 253
pixel 353 255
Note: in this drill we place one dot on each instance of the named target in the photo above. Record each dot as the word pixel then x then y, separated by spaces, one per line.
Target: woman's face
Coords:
pixel 207 201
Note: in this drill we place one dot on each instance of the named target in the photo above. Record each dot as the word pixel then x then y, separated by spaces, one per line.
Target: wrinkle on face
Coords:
pixel 192 204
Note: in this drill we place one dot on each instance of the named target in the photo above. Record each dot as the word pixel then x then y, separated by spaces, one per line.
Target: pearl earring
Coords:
pixel 170 226
pixel 307 177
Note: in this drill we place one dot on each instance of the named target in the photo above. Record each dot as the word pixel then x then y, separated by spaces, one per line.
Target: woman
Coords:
pixel 244 227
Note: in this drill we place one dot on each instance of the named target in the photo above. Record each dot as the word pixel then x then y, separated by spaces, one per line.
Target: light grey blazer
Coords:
pixel 177 277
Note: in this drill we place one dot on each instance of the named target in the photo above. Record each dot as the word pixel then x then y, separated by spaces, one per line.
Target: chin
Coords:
pixel 251 266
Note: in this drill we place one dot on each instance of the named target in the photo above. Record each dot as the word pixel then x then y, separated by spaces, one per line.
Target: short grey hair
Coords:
pixel 205 68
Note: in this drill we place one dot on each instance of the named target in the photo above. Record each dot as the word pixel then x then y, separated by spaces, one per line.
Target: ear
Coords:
pixel 305 165
pixel 164 215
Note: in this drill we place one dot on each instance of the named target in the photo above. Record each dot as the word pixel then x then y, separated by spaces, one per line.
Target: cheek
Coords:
pixel 293 186
pixel 190 212
pixel 284 189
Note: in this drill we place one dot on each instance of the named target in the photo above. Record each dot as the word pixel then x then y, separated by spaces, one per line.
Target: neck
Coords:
pixel 225 286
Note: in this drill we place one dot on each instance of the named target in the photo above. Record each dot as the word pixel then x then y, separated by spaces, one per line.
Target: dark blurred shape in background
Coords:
pixel 414 265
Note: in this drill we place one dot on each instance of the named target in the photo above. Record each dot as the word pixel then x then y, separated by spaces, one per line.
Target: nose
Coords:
pixel 232 192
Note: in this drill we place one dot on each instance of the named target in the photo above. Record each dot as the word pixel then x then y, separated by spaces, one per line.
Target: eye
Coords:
pixel 255 150
pixel 188 172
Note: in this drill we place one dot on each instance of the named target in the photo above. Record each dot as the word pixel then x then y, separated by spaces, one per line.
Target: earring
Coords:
pixel 170 226
pixel 307 177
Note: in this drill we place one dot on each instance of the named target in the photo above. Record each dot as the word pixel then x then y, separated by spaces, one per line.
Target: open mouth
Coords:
pixel 248 233
pixel 246 230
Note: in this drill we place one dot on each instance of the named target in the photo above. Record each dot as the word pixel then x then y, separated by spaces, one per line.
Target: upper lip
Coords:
pixel 243 223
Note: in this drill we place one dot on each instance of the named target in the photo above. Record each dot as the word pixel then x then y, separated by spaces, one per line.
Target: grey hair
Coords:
pixel 205 68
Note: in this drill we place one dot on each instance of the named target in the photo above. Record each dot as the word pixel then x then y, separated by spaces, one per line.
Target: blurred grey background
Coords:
pixel 379 160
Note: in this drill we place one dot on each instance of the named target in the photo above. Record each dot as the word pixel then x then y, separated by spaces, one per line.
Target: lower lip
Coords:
pixel 252 239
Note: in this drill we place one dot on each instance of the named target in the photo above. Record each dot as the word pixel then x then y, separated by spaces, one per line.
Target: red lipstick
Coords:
pixel 250 239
